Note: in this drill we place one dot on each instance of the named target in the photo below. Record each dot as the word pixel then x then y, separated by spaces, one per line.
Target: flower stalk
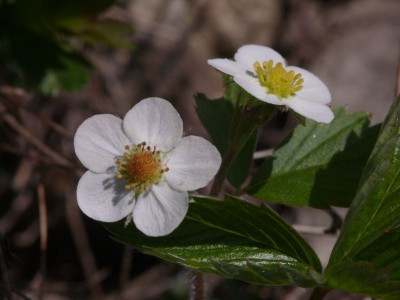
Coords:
pixel 244 122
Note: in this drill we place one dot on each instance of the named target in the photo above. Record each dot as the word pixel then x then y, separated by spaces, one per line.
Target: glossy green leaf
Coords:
pixel 371 231
pixel 216 116
pixel 235 239
pixel 318 165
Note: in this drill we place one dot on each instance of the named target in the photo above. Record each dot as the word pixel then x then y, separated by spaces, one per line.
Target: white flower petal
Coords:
pixel 253 87
pixel 160 210
pixel 313 88
pixel 249 54
pixel 192 164
pixel 98 141
pixel 102 197
pixel 314 111
pixel 154 121
pixel 227 66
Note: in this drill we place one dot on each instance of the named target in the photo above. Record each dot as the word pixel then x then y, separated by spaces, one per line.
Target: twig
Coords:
pixel 11 149
pixel 262 153
pixel 35 141
pixel 43 238
pixel 198 290
pixel 55 126
pixel 150 284
pixel 23 174
pixel 19 205
pixel 307 229
pixel 75 222
pixel 31 233
pixel 12 91
pixel 77 170
pixel 21 295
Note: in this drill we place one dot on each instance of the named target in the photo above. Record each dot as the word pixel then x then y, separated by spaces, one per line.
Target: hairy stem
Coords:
pixel 197 284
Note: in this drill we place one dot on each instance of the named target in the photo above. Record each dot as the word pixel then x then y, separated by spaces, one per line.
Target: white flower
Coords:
pixel 142 167
pixel 263 73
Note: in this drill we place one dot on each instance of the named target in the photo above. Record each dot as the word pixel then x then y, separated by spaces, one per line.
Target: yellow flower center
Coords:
pixel 278 80
pixel 140 167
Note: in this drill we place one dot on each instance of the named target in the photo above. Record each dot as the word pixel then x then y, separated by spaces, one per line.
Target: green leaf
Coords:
pixel 216 116
pixel 363 278
pixel 71 75
pixel 235 239
pixel 371 231
pixel 318 165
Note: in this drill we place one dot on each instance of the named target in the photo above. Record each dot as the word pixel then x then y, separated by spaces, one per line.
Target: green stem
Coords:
pixel 319 293
pixel 223 172
pixel 239 131
pixel 229 155
pixel 198 290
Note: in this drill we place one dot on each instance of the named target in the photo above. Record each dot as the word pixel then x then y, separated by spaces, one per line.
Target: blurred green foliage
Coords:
pixel 37 39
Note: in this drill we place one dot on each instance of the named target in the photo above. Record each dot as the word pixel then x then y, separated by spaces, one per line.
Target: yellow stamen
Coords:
pixel 140 167
pixel 278 80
